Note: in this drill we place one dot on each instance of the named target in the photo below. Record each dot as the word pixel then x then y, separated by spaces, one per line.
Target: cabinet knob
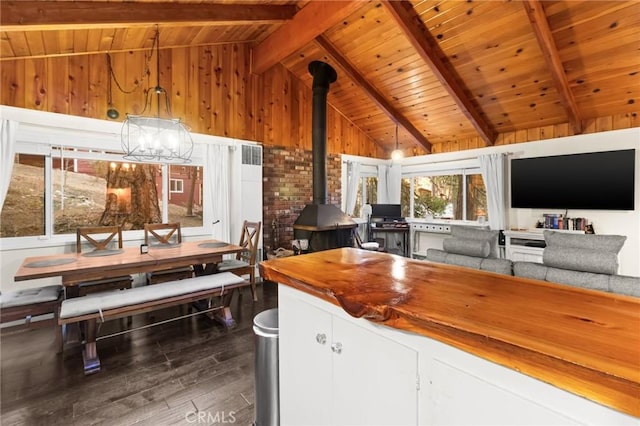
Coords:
pixel 321 338
pixel 337 348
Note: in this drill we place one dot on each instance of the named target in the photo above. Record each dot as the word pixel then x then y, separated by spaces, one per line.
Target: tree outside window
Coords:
pixel 454 196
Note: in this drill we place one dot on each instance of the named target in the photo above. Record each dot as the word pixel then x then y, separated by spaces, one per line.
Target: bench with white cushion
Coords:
pixel 121 303
pixel 31 302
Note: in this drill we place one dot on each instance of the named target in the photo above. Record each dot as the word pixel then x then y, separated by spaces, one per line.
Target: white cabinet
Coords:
pixel 524 254
pixel 336 372
pixel 524 246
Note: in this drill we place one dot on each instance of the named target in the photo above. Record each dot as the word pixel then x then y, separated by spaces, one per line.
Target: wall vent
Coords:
pixel 252 155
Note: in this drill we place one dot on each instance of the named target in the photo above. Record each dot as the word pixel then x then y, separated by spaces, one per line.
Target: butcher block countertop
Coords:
pixel 584 341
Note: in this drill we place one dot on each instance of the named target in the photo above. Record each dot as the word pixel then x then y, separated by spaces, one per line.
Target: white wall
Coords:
pixel 604 221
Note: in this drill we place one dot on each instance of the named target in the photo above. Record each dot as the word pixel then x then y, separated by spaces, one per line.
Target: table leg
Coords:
pixel 90 353
pixel 222 315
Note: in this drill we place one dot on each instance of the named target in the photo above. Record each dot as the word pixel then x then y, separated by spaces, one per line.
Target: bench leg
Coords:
pixel 90 353
pixel 223 315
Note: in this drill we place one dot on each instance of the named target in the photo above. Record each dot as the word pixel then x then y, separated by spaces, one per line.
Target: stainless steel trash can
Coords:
pixel 267 408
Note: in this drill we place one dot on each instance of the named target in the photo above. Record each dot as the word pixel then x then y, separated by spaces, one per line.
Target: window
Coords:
pixel 367 193
pixel 456 196
pixel 80 194
pixel 23 210
pixel 175 186
pixel 73 188
pixel 185 195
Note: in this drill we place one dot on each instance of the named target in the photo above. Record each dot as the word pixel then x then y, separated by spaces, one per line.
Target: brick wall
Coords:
pixel 287 187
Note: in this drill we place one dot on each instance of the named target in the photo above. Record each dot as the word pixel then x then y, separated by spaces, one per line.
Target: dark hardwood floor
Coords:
pixel 189 371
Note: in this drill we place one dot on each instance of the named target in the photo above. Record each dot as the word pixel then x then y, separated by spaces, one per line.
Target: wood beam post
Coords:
pixel 38 15
pixel 540 24
pixel 422 40
pixel 372 93
pixel 311 21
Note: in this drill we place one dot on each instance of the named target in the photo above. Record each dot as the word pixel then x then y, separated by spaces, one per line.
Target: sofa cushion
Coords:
pixel 462 260
pixel 579 259
pixel 468 232
pixel 579 279
pixel 622 284
pixel 605 243
pixel 531 270
pixel 501 266
pixel 435 255
pixel 467 246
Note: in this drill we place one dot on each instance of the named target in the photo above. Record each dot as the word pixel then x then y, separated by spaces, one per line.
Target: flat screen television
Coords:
pixel 386 210
pixel 591 181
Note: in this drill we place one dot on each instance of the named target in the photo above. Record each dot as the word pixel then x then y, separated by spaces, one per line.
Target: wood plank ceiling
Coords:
pixel 441 70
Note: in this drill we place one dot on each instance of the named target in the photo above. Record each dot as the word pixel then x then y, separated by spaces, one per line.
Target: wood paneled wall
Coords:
pixel 211 89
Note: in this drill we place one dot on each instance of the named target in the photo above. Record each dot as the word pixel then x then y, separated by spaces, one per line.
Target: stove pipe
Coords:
pixel 323 75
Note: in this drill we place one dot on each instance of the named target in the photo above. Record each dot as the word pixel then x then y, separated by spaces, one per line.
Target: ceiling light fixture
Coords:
pixel 397 153
pixel 156 139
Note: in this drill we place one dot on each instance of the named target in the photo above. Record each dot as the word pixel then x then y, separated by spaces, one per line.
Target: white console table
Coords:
pixel 527 246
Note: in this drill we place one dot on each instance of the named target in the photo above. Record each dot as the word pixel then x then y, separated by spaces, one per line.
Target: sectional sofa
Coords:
pixel 581 260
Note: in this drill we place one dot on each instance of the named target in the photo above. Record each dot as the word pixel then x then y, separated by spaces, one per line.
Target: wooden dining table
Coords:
pixel 75 268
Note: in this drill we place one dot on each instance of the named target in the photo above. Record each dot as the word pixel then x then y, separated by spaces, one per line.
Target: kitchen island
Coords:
pixel 382 339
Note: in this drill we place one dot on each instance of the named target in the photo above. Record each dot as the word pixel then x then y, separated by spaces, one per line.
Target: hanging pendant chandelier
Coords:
pixel 148 138
pixel 397 153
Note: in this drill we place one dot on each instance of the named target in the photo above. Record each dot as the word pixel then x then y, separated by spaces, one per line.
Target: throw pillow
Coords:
pixel 467 247
pixel 605 243
pixel 478 234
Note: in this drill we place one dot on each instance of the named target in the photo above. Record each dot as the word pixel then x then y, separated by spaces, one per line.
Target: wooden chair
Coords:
pixel 165 234
pixel 94 236
pixel 245 261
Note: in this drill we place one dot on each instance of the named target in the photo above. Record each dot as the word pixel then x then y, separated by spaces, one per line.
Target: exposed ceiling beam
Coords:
pixel 372 93
pixel 540 24
pixel 312 20
pixel 424 43
pixel 46 15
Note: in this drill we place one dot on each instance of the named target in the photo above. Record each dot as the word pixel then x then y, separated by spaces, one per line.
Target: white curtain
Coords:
pixel 7 154
pixel 383 193
pixel 216 174
pixel 394 184
pixel 492 167
pixel 389 178
pixel 353 179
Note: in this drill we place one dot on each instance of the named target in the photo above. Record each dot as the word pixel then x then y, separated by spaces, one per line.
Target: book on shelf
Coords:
pixel 559 221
